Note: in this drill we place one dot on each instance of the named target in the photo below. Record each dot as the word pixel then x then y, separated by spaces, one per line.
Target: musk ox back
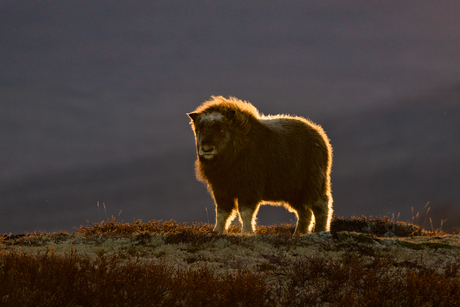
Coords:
pixel 247 159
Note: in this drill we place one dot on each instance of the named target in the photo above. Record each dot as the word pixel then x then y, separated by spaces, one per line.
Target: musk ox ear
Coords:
pixel 193 115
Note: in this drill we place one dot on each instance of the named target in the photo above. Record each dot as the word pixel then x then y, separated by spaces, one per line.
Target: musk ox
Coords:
pixel 247 159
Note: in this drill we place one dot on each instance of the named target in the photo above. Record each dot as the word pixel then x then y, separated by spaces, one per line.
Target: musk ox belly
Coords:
pixel 284 183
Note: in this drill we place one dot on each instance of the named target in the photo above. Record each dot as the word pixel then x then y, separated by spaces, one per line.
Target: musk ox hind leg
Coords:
pixel 322 209
pixel 304 221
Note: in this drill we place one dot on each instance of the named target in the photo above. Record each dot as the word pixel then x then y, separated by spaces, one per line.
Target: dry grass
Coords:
pixel 376 226
pixel 361 276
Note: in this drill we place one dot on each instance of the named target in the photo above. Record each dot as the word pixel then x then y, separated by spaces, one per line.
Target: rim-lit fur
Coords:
pixel 247 159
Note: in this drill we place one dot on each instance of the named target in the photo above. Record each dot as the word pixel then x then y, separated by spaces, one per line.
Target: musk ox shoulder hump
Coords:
pixel 221 105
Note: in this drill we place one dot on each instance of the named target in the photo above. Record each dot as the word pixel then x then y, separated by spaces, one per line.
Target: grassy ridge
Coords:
pixel 363 262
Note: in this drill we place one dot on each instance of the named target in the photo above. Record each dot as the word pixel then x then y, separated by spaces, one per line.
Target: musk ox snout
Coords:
pixel 211 144
pixel 207 151
pixel 212 135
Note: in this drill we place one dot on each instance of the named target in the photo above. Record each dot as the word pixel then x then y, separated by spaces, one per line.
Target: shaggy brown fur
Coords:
pixel 247 159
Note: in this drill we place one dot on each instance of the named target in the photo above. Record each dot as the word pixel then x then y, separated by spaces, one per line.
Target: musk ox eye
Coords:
pixel 221 131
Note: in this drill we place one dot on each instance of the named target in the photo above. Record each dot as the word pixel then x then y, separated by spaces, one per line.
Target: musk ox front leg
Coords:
pixel 248 212
pixel 225 213
pixel 223 219
pixel 247 216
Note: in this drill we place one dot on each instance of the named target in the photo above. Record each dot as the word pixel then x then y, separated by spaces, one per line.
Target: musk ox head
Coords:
pixel 212 133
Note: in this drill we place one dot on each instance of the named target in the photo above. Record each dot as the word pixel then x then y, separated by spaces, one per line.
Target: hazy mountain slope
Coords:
pixel 385 161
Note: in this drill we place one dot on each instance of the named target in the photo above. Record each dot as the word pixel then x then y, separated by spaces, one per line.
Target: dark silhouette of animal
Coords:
pixel 247 159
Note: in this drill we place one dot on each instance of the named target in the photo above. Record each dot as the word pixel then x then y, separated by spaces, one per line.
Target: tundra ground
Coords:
pixel 361 262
